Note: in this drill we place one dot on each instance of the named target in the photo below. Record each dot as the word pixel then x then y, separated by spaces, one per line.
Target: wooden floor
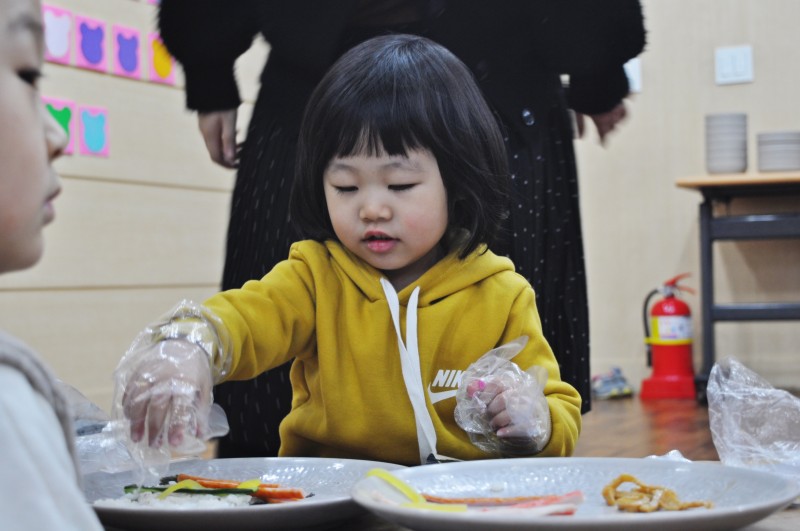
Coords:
pixel 630 427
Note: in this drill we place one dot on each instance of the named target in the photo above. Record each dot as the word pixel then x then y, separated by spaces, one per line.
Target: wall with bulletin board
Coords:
pixel 141 220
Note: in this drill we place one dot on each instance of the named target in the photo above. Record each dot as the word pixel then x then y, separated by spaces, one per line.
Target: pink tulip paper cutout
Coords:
pixel 126 44
pixel 57 34
pixel 93 131
pixel 64 113
pixel 90 48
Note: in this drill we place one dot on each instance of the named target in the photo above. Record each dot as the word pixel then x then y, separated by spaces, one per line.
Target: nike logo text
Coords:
pixel 444 378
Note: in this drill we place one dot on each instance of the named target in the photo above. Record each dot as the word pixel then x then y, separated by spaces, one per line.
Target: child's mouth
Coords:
pixel 379 243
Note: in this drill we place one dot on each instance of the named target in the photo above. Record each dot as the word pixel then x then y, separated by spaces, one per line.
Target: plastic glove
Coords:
pixel 164 381
pixel 167 393
pixel 502 407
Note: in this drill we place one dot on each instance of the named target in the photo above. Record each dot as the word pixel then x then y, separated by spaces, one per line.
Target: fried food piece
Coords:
pixel 645 498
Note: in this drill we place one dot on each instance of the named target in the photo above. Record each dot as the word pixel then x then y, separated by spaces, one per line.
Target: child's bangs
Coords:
pixel 372 129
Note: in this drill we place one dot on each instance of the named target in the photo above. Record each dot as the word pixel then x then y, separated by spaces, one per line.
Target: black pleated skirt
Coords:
pixel 259 236
pixel 544 240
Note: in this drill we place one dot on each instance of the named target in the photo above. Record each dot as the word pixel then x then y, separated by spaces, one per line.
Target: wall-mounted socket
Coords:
pixel 733 64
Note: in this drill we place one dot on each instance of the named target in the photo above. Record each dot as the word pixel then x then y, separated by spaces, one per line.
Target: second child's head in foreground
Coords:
pixel 30 139
pixel 400 158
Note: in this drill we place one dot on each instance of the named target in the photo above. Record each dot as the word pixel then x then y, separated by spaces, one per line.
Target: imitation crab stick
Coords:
pixel 517 501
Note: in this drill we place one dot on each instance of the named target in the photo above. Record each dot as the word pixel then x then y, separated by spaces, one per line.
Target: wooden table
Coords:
pixel 725 188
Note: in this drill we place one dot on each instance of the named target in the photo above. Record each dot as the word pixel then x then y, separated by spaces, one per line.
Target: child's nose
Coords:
pixel 55 136
pixel 375 208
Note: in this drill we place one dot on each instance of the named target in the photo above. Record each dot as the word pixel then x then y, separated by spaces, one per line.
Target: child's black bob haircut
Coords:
pixel 394 94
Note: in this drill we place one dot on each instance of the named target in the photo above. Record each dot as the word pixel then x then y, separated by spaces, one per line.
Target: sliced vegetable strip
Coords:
pixel 269 494
pixel 518 501
pixel 266 492
pixel 220 483
pixel 184 490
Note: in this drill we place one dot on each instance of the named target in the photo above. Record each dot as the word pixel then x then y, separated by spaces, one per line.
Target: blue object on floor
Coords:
pixel 611 385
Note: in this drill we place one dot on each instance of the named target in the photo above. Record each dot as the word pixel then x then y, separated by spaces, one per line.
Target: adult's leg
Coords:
pixel 546 242
pixel 258 238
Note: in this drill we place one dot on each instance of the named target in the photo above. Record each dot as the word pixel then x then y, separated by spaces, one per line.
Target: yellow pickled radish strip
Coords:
pixel 185 484
pixel 444 507
pixel 407 490
pixel 250 484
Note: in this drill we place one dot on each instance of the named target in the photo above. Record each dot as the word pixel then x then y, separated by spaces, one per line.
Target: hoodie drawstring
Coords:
pixel 409 361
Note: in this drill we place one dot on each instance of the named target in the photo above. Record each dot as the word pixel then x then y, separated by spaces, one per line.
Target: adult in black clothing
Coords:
pixel 517 49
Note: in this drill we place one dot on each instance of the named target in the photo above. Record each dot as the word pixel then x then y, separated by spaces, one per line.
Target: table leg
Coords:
pixel 707 296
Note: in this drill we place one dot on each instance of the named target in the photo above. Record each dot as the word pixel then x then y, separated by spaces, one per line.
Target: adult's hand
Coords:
pixel 219 133
pixel 604 122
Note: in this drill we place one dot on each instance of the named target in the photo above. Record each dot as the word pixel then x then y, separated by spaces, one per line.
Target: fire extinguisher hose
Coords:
pixel 650 295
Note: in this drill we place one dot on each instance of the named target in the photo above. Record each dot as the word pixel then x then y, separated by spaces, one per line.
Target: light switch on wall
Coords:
pixel 733 64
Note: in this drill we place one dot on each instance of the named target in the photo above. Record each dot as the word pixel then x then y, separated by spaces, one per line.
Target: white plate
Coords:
pixel 740 496
pixel 329 479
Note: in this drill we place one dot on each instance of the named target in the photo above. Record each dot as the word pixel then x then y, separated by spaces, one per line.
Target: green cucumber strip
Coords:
pixel 137 488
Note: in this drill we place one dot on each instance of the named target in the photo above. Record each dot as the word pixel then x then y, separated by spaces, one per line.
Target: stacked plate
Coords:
pixel 779 151
pixel 726 143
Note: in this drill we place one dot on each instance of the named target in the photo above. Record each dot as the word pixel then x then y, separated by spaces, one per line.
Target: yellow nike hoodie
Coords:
pixel 326 309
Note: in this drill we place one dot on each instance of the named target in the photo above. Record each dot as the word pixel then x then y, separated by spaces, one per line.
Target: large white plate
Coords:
pixel 329 479
pixel 740 496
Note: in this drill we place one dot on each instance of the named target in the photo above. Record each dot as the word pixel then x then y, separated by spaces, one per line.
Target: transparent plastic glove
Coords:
pixel 502 407
pixel 167 394
pixel 163 392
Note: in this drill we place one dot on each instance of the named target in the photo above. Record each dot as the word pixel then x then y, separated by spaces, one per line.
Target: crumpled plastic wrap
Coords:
pixel 99 443
pixel 524 395
pixel 104 445
pixel 753 424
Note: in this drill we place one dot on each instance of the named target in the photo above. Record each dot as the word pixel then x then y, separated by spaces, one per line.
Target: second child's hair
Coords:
pixel 393 94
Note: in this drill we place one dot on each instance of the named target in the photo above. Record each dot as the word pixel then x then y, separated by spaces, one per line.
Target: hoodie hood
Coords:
pixel 449 275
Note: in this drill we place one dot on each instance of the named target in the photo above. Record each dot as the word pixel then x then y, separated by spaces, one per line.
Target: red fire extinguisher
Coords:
pixel 668 335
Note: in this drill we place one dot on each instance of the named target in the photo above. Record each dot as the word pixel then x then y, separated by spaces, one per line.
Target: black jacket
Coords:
pixel 518 49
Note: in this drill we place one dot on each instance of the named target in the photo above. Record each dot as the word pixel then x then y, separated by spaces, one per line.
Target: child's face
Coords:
pixel 391 211
pixel 30 139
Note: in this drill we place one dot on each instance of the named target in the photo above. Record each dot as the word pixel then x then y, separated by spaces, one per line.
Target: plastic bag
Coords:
pixel 753 425
pixel 525 401
pixel 104 445
pixel 99 444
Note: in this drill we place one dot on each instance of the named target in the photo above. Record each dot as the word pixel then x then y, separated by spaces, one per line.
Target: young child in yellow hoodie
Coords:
pixel 401 185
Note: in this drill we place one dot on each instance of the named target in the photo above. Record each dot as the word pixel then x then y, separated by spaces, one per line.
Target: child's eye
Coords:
pixel 30 76
pixel 401 187
pixel 345 189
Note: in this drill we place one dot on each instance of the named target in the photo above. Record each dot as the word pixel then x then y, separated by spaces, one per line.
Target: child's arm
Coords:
pixel 520 412
pixel 164 381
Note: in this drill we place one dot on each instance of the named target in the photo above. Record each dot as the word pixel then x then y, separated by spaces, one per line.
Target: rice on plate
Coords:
pixel 175 501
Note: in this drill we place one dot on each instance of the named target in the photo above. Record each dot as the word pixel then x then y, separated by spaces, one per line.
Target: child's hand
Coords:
pixel 502 407
pixel 518 415
pixel 166 394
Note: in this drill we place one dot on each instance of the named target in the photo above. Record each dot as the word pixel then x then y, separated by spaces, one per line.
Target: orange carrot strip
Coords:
pixel 284 494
